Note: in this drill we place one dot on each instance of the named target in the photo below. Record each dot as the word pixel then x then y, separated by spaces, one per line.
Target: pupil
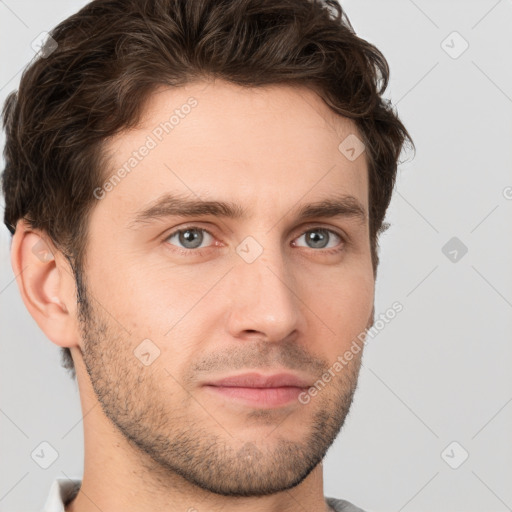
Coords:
pixel 191 236
pixel 317 238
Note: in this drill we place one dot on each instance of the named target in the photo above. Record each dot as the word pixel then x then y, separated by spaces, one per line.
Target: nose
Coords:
pixel 265 299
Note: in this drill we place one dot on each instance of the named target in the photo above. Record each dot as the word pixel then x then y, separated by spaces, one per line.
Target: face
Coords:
pixel 216 295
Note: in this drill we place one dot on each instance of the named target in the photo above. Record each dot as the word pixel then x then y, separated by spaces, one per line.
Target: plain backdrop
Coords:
pixel 430 426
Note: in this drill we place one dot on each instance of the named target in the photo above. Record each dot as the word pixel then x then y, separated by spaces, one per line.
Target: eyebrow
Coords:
pixel 169 205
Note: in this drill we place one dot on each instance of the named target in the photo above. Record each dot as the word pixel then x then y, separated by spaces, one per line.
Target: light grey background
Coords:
pixel 441 370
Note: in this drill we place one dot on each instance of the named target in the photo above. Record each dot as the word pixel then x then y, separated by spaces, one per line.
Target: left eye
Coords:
pixel 319 238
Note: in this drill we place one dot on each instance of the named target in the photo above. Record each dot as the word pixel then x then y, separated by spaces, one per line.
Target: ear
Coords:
pixel 46 284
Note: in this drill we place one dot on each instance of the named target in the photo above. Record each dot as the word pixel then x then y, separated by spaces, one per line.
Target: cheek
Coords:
pixel 345 303
pixel 163 303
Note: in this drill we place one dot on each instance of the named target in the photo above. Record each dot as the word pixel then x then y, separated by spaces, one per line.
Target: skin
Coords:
pixel 155 437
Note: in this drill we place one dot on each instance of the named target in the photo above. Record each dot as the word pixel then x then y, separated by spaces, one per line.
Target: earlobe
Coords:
pixel 45 284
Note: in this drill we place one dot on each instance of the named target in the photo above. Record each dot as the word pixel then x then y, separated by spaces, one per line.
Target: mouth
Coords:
pixel 257 390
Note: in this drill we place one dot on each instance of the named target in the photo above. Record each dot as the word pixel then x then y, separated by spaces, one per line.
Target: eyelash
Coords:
pixel 200 252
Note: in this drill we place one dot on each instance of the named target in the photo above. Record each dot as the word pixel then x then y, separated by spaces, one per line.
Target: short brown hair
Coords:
pixel 113 53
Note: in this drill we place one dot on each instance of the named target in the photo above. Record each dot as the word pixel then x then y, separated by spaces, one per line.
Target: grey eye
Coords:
pixel 189 238
pixel 319 238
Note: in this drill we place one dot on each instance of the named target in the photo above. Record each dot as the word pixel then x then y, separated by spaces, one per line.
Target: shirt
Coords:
pixel 63 491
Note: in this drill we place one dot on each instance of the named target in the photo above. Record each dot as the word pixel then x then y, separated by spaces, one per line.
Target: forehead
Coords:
pixel 266 146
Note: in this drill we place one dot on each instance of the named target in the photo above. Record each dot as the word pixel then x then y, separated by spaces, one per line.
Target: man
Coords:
pixel 195 191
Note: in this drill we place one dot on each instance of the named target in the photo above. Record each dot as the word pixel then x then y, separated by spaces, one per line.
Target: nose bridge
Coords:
pixel 264 296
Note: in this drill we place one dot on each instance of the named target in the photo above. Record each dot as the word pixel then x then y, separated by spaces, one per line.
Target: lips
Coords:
pixel 260 391
pixel 266 398
pixel 256 380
